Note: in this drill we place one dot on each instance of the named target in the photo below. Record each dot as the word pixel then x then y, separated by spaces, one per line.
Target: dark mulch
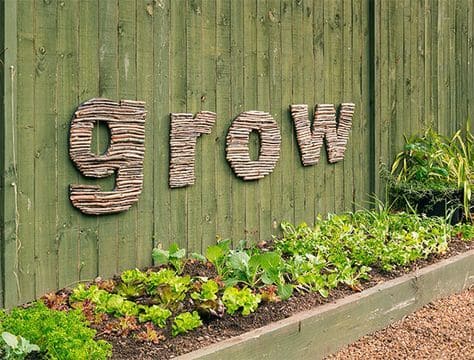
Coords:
pixel 228 326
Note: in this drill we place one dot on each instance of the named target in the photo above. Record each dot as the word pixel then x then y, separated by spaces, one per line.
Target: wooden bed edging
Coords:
pixel 316 333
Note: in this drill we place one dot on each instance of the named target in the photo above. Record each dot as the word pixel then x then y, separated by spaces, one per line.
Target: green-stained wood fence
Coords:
pixel 405 64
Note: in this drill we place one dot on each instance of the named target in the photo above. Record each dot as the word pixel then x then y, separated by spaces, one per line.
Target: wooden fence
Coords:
pixel 406 64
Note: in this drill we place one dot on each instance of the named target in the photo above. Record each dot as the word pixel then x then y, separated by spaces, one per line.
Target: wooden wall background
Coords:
pixel 405 63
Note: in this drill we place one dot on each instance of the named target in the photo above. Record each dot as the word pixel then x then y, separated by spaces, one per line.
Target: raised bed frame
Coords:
pixel 316 333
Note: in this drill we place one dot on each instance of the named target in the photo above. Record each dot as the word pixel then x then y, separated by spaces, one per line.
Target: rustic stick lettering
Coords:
pixel 124 156
pixel 184 133
pixel 324 126
pixel 238 153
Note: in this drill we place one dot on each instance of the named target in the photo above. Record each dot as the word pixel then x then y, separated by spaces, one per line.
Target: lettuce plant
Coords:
pixel 61 335
pixel 156 314
pixel 235 299
pixel 185 322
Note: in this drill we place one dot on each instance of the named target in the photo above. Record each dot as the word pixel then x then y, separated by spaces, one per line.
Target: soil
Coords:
pixel 443 329
pixel 218 329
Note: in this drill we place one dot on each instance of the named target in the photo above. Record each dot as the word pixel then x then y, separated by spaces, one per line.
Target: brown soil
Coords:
pixel 228 326
pixel 443 329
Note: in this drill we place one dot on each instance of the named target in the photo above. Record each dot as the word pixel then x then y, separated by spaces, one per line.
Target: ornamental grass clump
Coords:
pixel 433 170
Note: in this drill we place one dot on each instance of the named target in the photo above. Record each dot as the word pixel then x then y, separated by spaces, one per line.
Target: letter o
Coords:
pixel 237 148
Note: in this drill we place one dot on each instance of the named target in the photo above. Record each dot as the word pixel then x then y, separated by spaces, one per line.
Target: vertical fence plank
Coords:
pixel 252 193
pixel 443 66
pixel 218 91
pixel 66 100
pixel 288 142
pixel 46 165
pixel 127 89
pixel 145 60
pixel 450 55
pixel 275 108
pixel 398 121
pixel 434 63
pixel 237 102
pixel 332 39
pixel 108 232
pixel 470 60
pixel 178 103
pixel 297 42
pixel 161 106
pixel 263 104
pixel 418 65
pixel 367 99
pixel 88 87
pixel 336 23
pixel 3 128
pixel 194 52
pixel 11 291
pixel 318 97
pixel 213 69
pixel 427 65
pixel 26 111
pixel 405 80
pixel 307 67
pixel 461 61
pixel 348 175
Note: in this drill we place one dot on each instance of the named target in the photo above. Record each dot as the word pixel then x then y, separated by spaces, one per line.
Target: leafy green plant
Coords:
pixel 208 291
pixel 150 334
pixel 62 335
pixel 174 256
pixel 433 166
pixel 185 322
pixel 255 269
pixel 122 326
pixel 119 306
pixel 463 231
pixel 133 276
pixel 133 283
pixel 235 299
pixel 156 314
pixel 207 301
pixel 168 288
pixel 343 248
pixel 98 297
pixel 217 255
pixel 16 347
pixel 104 301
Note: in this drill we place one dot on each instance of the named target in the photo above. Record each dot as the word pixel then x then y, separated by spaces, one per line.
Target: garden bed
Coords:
pixel 311 326
pixel 318 332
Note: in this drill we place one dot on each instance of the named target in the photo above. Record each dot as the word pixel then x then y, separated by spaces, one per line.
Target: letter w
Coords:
pixel 324 126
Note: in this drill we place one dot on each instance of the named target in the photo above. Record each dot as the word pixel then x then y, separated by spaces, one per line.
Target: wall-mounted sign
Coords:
pixel 125 154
